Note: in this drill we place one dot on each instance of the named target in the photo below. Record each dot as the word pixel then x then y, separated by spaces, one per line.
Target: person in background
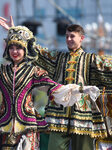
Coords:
pixel 101 52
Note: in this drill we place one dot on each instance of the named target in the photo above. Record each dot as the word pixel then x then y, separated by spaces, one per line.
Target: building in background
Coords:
pixel 48 20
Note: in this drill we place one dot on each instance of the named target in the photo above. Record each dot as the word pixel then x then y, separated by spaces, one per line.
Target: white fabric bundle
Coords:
pixel 69 94
pixel 20 145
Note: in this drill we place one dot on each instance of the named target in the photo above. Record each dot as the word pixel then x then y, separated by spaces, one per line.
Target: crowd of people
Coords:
pixel 79 87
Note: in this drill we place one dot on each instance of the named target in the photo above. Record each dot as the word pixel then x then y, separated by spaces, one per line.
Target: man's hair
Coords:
pixel 75 28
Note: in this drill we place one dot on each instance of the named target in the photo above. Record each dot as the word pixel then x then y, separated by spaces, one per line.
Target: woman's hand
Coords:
pixel 5 23
pixel 41 72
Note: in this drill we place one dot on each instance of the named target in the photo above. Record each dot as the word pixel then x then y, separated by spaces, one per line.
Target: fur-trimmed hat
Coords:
pixel 21 35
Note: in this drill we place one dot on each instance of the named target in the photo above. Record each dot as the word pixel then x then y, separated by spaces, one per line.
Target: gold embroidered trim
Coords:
pixel 93 134
pixel 56 128
pixel 23 43
pixel 70 70
pixel 71 62
pixel 69 79
pixel 74 54
pixel 80 118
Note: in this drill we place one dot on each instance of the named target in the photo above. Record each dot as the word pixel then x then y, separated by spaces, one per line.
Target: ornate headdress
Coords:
pixel 21 35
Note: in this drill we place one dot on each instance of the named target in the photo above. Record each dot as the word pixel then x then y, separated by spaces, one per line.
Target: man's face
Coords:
pixel 73 40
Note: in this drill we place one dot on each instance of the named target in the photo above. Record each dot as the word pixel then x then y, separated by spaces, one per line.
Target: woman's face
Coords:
pixel 16 53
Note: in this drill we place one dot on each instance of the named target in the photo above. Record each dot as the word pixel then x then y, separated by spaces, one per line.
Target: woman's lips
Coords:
pixel 14 56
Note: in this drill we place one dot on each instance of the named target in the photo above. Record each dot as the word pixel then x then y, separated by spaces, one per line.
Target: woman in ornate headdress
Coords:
pixel 19 121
